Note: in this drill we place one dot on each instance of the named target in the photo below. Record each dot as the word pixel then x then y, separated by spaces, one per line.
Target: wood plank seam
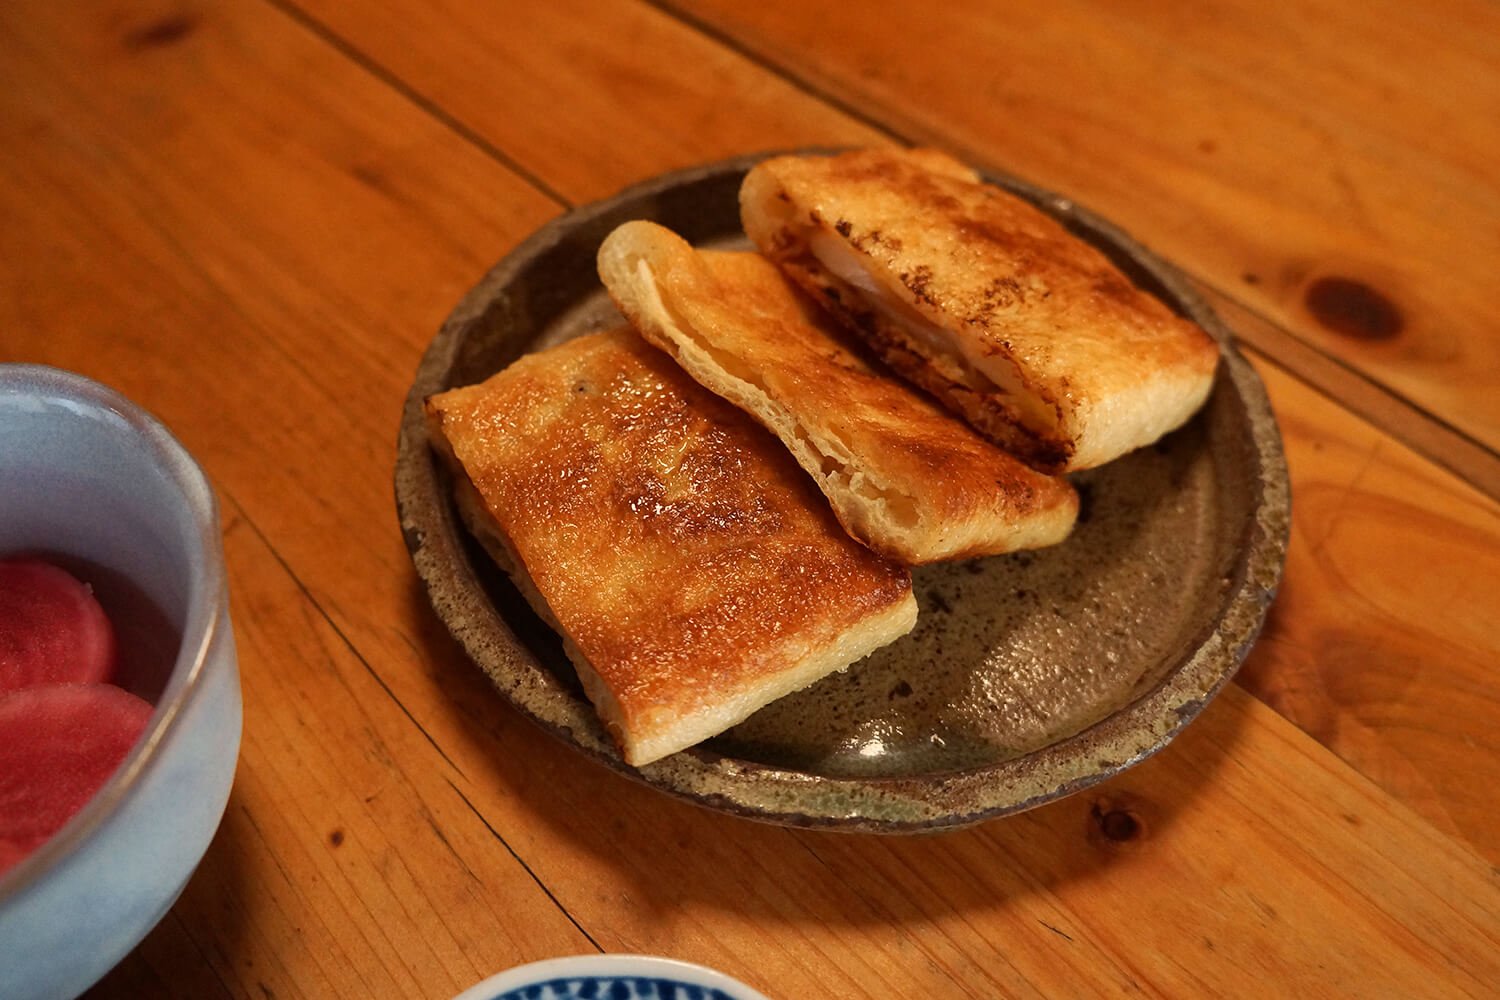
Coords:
pixel 724 39
pixel 1449 439
pixel 1392 417
pixel 361 59
pixel 460 130
pixel 479 815
pixel 1447 446
pixel 322 612
pixel 585 861
pixel 1434 438
pixel 344 638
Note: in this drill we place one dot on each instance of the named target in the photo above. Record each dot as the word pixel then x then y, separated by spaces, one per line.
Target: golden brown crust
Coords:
pixel 1094 365
pixel 903 475
pixel 687 560
pixel 987 409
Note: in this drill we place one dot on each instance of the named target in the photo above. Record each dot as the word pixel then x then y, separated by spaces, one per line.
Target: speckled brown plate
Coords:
pixel 1028 677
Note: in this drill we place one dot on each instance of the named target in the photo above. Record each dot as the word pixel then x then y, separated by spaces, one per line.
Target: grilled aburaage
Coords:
pixel 927 352
pixel 903 475
pixel 984 300
pixel 691 568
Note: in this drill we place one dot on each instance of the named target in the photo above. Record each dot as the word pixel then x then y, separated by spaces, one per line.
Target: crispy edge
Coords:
pixel 641 745
pixel 774 224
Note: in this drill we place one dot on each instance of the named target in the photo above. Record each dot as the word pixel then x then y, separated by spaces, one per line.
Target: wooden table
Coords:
pixel 252 216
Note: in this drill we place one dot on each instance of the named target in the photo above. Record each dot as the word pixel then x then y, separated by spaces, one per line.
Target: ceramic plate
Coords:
pixel 1027 677
pixel 610 977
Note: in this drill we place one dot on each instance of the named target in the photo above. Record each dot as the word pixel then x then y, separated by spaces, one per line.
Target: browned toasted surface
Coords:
pixel 895 431
pixel 676 543
pixel 891 429
pixel 1113 364
pixel 903 474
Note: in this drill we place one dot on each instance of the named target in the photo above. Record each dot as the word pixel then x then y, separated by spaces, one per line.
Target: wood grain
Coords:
pixel 734 106
pixel 1432 438
pixel 400 31
pixel 1265 150
pixel 1110 892
pixel 348 863
pixel 1383 641
pixel 186 223
pixel 564 88
pixel 216 210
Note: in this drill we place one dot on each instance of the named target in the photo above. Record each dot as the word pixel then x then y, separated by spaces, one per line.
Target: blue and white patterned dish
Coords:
pixel 86 474
pixel 611 977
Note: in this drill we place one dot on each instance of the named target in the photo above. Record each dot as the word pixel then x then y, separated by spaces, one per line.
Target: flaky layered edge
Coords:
pixel 896 523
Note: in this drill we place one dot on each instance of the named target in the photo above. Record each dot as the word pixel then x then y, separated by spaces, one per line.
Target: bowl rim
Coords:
pixel 203 622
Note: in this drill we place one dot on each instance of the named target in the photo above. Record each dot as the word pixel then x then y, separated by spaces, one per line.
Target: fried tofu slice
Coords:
pixel 1027 331
pixel 904 476
pixel 691 568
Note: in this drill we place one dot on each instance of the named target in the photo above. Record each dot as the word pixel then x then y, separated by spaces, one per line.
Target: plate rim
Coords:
pixel 608 966
pixel 871 804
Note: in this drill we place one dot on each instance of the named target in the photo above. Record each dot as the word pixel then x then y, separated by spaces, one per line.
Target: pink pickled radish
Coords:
pixel 52 630
pixel 59 743
pixel 12 853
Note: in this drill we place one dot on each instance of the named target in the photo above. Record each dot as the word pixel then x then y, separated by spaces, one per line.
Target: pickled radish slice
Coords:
pixel 59 743
pixel 52 630
pixel 12 853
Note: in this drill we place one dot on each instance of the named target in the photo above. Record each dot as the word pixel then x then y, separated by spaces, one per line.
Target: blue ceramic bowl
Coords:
pixel 88 476
pixel 611 977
